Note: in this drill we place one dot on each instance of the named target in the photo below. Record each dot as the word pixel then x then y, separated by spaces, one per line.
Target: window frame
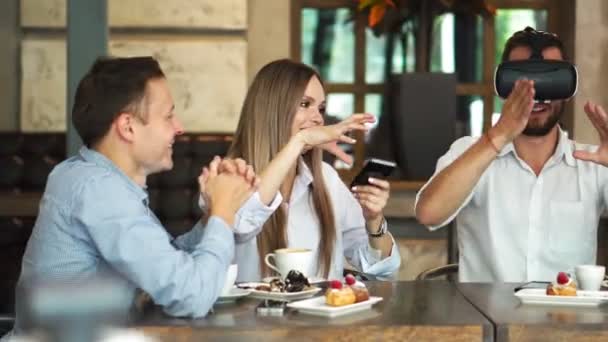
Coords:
pixel 560 20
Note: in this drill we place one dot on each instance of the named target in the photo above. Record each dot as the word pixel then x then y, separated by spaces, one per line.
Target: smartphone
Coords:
pixel 373 167
pixel 532 285
pixel 271 307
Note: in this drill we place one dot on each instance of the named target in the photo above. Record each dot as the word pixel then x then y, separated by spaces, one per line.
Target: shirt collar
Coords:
pixel 304 173
pixel 302 182
pixel 562 151
pixel 99 159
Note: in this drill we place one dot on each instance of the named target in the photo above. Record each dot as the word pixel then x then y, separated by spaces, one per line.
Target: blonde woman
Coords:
pixel 301 201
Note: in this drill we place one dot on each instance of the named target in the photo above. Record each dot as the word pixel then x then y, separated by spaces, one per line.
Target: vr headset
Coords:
pixel 553 79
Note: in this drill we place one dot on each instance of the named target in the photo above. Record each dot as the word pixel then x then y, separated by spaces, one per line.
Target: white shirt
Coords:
pixel 515 226
pixel 303 230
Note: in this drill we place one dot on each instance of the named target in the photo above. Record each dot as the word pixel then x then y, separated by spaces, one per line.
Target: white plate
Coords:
pixel 311 280
pixel 279 296
pixel 582 298
pixel 234 294
pixel 316 306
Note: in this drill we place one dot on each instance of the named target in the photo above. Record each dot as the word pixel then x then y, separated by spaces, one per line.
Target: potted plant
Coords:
pixel 402 18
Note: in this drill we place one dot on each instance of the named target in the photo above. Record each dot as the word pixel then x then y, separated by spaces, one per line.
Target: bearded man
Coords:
pixel 526 198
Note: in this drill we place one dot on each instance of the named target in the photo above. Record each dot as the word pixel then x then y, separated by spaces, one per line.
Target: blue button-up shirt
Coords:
pixel 94 219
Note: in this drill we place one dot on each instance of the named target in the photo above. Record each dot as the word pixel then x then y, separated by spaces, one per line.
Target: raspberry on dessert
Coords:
pixel 350 279
pixel 563 278
pixel 335 284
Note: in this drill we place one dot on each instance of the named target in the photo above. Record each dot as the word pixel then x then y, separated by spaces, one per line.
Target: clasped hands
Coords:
pixel 225 185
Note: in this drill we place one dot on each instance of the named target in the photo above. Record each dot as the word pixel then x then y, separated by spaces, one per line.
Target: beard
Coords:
pixel 542 129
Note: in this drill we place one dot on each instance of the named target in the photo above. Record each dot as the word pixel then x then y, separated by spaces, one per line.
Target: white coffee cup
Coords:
pixel 287 259
pixel 230 279
pixel 589 277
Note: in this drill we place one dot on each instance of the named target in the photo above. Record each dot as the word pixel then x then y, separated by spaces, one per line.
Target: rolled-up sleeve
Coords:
pixel 357 249
pixel 131 240
pixel 364 257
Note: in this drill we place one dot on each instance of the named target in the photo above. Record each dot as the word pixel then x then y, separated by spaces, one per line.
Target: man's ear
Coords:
pixel 123 125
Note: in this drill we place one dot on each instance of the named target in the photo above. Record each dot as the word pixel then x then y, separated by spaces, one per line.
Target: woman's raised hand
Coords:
pixel 327 137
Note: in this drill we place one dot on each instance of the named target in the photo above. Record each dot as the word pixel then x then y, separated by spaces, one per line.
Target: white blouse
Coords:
pixel 303 230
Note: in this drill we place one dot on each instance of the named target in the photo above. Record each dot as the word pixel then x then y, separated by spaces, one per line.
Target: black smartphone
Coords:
pixel 532 285
pixel 375 168
pixel 271 307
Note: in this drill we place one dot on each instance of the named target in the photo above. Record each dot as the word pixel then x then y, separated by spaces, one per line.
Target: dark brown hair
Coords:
pixel 533 39
pixel 112 86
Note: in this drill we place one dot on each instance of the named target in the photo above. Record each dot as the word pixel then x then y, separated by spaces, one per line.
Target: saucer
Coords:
pixel 311 280
pixel 234 294
pixel 285 296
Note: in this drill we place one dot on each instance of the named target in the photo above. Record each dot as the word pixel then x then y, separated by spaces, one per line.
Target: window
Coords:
pixel 333 37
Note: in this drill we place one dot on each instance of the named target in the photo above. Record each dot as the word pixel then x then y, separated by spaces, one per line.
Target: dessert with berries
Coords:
pixel 358 287
pixel 563 286
pixel 349 292
pixel 338 295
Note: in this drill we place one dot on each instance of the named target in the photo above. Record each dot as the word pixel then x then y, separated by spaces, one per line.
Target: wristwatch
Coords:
pixel 381 231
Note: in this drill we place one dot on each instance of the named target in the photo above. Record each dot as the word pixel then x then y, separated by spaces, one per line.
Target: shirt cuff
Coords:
pixel 254 213
pixel 382 268
pixel 274 204
pixel 374 255
pixel 217 226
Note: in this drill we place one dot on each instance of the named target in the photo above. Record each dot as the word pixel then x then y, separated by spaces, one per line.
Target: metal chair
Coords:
pixel 6 323
pixel 451 269
pixel 448 270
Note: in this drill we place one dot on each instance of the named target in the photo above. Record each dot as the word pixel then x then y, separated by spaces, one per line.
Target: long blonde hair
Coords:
pixel 264 128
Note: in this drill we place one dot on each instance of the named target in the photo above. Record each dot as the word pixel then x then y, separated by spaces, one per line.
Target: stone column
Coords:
pixel 591 51
pixel 269 33
pixel 9 72
pixel 200 44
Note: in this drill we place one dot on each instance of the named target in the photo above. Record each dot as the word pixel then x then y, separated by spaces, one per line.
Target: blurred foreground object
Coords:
pixel 76 311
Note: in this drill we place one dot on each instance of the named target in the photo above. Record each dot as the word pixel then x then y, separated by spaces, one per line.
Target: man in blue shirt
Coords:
pixel 94 216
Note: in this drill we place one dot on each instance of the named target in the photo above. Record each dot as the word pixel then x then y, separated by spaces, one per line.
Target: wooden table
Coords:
pixel 516 322
pixel 411 311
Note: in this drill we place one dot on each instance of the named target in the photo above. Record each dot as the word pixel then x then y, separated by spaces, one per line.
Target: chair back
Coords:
pixel 448 271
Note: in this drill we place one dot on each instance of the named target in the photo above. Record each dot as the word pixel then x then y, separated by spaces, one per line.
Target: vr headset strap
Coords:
pixel 536 43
